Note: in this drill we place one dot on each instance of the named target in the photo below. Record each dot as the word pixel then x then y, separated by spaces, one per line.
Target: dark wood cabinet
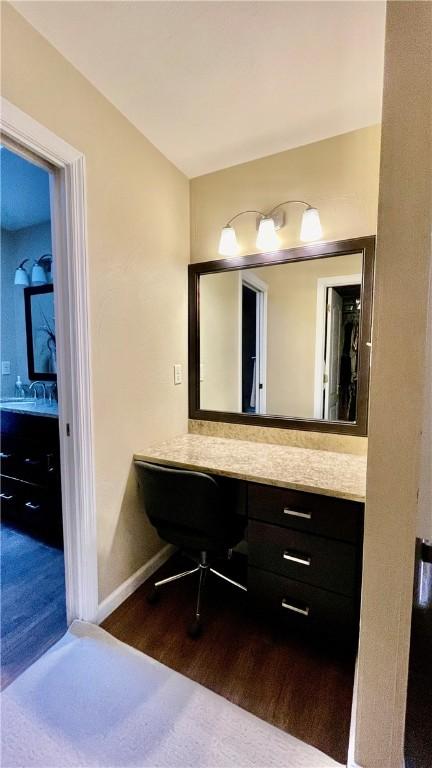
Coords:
pixel 30 474
pixel 305 553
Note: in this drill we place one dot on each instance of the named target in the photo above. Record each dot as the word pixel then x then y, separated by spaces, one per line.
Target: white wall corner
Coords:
pixel 119 595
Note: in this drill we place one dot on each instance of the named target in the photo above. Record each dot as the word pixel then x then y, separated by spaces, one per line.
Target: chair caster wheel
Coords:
pixel 195 629
pixel 153 596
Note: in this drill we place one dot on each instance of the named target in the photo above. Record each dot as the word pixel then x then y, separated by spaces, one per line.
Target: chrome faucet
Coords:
pixel 34 387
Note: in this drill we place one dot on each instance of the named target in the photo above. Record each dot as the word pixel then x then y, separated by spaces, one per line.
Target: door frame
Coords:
pixel 261 289
pixel 323 283
pixel 69 232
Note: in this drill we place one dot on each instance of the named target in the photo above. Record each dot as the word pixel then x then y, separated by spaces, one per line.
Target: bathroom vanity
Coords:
pixel 282 341
pixel 305 524
pixel 30 469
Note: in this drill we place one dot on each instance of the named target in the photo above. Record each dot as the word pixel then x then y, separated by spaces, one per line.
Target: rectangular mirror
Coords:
pixel 284 337
pixel 40 332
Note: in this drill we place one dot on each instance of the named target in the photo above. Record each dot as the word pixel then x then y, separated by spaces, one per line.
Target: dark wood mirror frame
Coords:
pixel 364 245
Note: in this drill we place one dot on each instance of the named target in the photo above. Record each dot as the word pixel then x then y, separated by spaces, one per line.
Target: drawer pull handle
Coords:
pixel 294 513
pixel 6 496
pixel 5 455
pixel 33 462
pixel 34 507
pixel 296 558
pixel 289 607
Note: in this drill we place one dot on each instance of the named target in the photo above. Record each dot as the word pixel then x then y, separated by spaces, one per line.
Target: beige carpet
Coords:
pixel 94 701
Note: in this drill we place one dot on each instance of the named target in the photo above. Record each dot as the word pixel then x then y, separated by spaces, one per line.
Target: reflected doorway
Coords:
pixel 253 346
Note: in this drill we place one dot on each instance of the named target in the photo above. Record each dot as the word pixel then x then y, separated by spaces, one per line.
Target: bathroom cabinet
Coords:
pixel 30 474
pixel 305 553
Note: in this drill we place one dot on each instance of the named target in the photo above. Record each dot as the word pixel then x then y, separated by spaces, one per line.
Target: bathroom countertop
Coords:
pixel 34 408
pixel 324 472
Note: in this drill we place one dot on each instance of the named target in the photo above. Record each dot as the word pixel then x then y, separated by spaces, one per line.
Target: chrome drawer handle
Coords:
pixel 34 507
pixel 6 497
pixel 289 607
pixel 296 558
pixel 294 513
pixel 5 455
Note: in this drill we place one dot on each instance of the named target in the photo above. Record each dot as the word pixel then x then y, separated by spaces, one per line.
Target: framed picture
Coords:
pixel 40 329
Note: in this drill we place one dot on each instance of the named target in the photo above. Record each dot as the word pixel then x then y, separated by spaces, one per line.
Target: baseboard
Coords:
pixel 131 584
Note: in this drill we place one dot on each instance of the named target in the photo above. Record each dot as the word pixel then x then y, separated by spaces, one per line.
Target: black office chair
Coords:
pixel 196 513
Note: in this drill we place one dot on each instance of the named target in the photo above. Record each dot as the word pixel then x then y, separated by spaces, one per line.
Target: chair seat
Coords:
pixel 186 538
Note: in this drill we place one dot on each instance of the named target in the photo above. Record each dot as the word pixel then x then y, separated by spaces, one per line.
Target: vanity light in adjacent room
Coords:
pixel 267 239
pixel 21 275
pixel 228 245
pixel 268 224
pixel 311 225
pixel 39 271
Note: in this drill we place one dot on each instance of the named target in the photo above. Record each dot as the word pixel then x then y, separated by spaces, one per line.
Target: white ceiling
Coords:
pixel 213 84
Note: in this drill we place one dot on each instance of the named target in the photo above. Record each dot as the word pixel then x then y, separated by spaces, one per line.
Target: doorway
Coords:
pixel 27 138
pixel 32 561
pixel 336 349
pixel 253 343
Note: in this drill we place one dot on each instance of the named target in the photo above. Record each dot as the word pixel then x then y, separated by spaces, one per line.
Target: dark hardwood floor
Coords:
pixel 33 611
pixel 300 688
pixel 418 734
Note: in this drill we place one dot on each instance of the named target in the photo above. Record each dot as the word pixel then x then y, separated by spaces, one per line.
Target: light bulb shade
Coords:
pixel 228 245
pixel 38 275
pixel 311 226
pixel 21 277
pixel 267 239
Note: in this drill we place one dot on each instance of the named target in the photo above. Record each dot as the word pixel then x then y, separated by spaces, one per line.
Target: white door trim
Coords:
pixel 69 227
pixel 322 284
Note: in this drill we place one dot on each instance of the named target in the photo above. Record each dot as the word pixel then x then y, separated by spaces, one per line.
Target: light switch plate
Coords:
pixel 202 371
pixel 178 376
pixel 5 366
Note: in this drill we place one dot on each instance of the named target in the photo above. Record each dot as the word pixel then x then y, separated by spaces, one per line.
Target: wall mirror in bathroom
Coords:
pixel 40 332
pixel 283 339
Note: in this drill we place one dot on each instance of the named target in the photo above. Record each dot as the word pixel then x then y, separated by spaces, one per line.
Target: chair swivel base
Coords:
pixel 203 568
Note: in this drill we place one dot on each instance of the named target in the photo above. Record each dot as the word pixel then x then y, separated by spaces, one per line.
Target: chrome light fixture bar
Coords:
pixel 268 224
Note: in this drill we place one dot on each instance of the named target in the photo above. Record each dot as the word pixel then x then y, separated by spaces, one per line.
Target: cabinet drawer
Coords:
pixel 298 555
pixel 33 508
pixel 322 515
pixel 37 467
pixel 301 605
pixel 9 496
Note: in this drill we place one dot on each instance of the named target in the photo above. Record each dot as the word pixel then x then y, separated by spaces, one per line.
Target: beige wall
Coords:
pixel 219 341
pixel 138 230
pixel 397 385
pixel 338 175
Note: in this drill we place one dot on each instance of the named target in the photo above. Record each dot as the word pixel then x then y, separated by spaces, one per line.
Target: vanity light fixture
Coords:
pixel 39 270
pixel 21 275
pixel 267 225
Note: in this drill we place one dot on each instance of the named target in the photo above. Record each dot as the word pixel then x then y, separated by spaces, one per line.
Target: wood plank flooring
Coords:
pixel 33 611
pixel 297 687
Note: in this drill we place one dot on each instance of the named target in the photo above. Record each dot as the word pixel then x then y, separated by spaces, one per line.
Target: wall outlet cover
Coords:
pixel 178 376
pixel 5 367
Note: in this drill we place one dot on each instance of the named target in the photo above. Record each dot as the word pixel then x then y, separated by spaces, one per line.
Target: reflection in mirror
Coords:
pixel 282 339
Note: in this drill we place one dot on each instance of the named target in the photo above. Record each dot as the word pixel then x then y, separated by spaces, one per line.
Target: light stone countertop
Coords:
pixel 31 407
pixel 325 472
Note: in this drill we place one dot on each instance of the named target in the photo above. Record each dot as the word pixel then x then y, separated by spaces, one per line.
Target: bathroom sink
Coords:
pixel 17 400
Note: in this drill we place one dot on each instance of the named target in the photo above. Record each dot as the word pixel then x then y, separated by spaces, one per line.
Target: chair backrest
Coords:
pixel 183 499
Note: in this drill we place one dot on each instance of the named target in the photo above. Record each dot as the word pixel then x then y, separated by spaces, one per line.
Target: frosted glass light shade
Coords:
pixel 21 277
pixel 38 275
pixel 228 245
pixel 311 226
pixel 267 239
